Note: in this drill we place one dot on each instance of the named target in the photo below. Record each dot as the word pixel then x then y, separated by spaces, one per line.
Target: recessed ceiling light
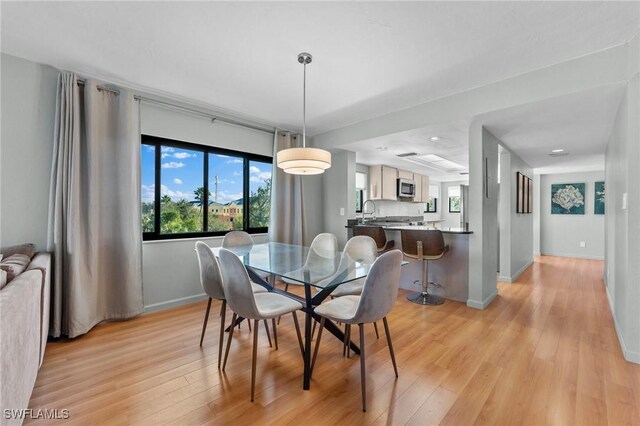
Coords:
pixel 382 148
pixel 434 138
pixel 555 151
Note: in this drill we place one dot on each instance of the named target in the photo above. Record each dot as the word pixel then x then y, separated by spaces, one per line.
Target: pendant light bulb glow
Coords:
pixel 303 160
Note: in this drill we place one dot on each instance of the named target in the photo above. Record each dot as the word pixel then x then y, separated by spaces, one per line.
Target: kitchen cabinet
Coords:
pixel 425 189
pixel 418 188
pixel 422 188
pixel 403 174
pixel 382 183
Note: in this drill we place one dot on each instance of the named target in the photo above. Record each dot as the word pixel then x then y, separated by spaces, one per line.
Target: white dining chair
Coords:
pixel 323 248
pixel 213 285
pixel 361 248
pixel 378 296
pixel 241 241
pixel 256 307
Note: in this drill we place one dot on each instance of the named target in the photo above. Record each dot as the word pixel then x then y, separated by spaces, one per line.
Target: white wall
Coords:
pixel 560 235
pixel 338 189
pixel 516 229
pixel 483 216
pixel 28 108
pixel 622 227
pixel 450 220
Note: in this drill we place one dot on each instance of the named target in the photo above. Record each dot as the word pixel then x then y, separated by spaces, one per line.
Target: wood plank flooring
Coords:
pixel 544 352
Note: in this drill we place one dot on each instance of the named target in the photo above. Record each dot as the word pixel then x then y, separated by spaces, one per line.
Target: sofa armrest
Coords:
pixel 19 339
pixel 42 262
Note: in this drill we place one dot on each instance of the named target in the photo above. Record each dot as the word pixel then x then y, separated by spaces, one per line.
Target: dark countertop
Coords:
pixel 397 227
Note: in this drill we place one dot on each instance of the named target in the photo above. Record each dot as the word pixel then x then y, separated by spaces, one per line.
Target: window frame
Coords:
pixel 435 206
pixel 157 143
pixel 453 211
pixel 359 205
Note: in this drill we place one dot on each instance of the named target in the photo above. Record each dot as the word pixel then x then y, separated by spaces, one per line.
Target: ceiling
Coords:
pixel 452 145
pixel 369 58
pixel 579 123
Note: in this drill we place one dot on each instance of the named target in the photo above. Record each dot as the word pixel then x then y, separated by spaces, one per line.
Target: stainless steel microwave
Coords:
pixel 406 188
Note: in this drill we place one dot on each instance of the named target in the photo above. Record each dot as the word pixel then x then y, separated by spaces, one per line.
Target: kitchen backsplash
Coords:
pixel 398 208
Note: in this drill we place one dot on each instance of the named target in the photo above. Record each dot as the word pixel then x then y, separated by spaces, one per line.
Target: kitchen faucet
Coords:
pixel 364 209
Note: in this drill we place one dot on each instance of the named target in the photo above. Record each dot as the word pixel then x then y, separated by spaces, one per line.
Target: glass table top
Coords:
pixel 322 269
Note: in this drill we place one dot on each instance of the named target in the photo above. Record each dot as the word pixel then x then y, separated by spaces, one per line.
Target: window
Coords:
pixel 454 199
pixel 259 194
pixel 361 184
pixel 193 190
pixel 432 205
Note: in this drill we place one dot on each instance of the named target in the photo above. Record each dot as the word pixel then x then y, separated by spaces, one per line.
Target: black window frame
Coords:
pixel 453 211
pixel 435 206
pixel 359 205
pixel 158 143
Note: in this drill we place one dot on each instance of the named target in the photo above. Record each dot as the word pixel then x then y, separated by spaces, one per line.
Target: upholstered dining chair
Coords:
pixel 256 307
pixel 213 286
pixel 361 248
pixel 323 248
pixel 378 296
pixel 239 239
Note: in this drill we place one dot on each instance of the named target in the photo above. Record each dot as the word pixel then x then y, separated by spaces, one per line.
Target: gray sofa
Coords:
pixel 24 327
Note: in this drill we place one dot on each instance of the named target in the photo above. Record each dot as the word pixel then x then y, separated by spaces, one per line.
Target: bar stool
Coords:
pixel 378 235
pixel 425 246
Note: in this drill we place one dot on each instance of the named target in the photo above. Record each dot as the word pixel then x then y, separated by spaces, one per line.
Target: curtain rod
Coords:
pixel 213 118
pixel 82 81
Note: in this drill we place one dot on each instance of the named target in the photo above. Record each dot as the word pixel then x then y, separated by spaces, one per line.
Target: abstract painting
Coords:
pixel 598 207
pixel 567 198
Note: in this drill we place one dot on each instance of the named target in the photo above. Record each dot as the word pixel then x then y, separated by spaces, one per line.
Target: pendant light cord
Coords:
pixel 304 105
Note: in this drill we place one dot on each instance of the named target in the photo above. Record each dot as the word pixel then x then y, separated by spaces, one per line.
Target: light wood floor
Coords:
pixel 544 352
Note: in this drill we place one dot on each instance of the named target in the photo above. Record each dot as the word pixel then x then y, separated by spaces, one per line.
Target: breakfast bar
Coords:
pixel 451 271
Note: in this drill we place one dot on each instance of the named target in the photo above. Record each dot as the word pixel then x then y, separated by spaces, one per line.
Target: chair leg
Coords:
pixel 375 327
pixel 226 353
pixel 315 352
pixel 253 358
pixel 206 319
pixel 249 323
pixel 275 332
pixel 313 329
pixel 266 327
pixel 223 313
pixel 363 378
pixel 295 321
pixel 393 356
pixel 346 339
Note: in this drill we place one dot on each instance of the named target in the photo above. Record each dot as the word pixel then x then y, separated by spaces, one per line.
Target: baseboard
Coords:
pixel 476 304
pixel 174 302
pixel 631 356
pixel 514 277
pixel 537 253
pixel 504 278
pixel 575 255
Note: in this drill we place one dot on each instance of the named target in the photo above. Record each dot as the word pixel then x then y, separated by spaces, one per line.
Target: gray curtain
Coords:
pixel 287 223
pixel 94 224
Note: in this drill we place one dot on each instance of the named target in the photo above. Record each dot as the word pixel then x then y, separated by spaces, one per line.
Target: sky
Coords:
pixel 182 173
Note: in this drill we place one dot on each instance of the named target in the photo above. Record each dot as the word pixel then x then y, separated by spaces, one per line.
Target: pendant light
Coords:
pixel 304 161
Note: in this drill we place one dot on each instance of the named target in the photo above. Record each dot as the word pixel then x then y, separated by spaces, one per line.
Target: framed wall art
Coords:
pixel 567 198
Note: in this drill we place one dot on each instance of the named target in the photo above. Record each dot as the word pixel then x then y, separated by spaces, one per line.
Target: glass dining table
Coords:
pixel 320 272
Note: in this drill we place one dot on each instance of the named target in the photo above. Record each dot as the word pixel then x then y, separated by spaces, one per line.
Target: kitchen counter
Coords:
pixel 396 227
pixel 452 270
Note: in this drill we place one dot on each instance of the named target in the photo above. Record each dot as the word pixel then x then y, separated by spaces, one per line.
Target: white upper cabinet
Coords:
pixel 382 183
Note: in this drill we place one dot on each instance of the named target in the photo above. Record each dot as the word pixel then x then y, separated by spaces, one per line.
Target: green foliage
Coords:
pixel 260 206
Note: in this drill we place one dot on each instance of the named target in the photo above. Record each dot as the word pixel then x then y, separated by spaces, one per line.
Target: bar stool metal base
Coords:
pixel 425 299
